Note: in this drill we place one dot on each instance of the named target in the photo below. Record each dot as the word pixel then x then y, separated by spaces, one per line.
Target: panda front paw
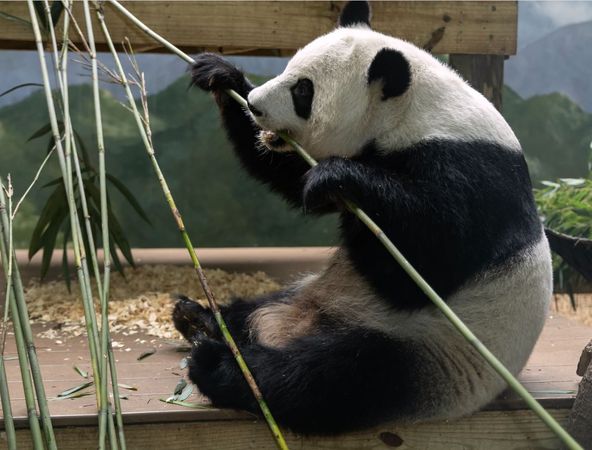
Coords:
pixel 192 319
pixel 324 186
pixel 213 73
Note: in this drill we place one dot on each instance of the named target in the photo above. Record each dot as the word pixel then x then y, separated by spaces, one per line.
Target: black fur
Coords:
pixel 355 13
pixel 281 171
pixel 392 68
pixel 459 206
pixel 191 319
pixel 368 378
pixel 302 95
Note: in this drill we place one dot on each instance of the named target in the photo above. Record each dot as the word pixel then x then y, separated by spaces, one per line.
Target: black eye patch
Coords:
pixel 302 95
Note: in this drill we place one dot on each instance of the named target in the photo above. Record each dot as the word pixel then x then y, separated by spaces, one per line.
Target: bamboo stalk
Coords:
pixel 66 169
pixel 6 408
pixel 495 363
pixel 279 439
pixel 4 393
pixel 105 418
pixel 21 346
pixel 107 351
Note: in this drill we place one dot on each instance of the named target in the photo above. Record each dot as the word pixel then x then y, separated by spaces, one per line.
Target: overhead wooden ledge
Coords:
pixel 280 28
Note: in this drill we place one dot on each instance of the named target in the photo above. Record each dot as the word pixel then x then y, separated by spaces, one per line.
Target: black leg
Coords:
pixel 281 171
pixel 325 383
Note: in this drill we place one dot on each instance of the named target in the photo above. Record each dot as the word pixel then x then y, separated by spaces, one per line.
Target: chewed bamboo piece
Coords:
pixel 495 363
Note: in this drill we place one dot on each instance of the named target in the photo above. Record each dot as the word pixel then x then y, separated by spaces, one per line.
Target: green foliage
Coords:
pixel 566 206
pixel 54 217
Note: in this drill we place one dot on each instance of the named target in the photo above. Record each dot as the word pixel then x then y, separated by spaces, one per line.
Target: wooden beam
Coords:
pixel 486 430
pixel 281 27
pixel 484 72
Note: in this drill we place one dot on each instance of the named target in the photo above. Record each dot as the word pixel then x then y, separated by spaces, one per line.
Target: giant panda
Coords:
pixel 436 166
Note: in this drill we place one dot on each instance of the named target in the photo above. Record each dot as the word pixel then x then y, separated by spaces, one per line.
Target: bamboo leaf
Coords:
pixel 129 197
pixel 81 372
pixel 185 393
pixel 55 209
pixel 180 386
pixel 15 19
pixel 41 14
pixel 76 395
pixel 56 11
pixel 14 88
pixel 40 132
pixel 85 158
pixel 146 354
pixel 75 389
pixel 127 386
pixel 119 238
pixel 46 129
pixel 49 241
pixel 186 404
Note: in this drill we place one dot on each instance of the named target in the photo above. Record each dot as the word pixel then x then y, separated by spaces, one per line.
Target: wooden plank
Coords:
pixel 470 27
pixel 553 383
pixel 484 72
pixel 487 430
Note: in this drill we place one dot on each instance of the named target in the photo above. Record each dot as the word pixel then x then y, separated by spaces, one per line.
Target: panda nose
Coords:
pixel 254 110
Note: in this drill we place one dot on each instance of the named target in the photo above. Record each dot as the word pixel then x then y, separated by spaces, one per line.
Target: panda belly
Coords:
pixel 436 374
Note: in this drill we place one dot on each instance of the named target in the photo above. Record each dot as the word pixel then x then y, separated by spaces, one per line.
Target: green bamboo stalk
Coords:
pixel 72 157
pixel 66 169
pixel 6 408
pixel 495 363
pixel 107 351
pixel 279 439
pixel 4 392
pixel 105 418
pixel 18 331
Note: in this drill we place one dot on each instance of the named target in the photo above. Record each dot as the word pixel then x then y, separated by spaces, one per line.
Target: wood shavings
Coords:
pixel 139 302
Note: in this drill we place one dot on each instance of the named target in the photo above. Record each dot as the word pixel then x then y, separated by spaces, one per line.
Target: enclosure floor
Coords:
pixel 550 376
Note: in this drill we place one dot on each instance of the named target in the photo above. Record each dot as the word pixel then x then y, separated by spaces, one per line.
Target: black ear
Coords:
pixel 393 69
pixel 355 13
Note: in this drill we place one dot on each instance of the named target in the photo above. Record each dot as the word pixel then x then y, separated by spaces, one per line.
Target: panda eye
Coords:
pixel 302 96
pixel 303 88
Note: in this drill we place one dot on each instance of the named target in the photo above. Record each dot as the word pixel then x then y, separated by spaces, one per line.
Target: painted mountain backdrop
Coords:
pixel 559 62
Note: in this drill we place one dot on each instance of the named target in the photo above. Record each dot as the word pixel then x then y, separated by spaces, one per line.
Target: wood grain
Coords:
pixel 279 28
pixel 487 430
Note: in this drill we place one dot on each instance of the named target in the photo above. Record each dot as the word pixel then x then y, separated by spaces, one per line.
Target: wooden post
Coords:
pixel 580 417
pixel 484 72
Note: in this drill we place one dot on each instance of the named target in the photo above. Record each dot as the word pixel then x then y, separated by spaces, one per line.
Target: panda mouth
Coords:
pixel 272 139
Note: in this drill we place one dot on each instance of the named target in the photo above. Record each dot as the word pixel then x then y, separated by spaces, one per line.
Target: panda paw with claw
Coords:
pixel 325 185
pixel 191 319
pixel 213 73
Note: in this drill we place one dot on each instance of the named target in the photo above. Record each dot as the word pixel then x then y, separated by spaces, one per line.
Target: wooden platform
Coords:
pixel 151 424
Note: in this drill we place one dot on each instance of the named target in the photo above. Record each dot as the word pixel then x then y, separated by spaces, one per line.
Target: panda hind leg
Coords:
pixel 190 318
pixel 314 384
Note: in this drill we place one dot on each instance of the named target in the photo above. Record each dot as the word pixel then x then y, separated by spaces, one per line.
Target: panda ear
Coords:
pixel 392 68
pixel 355 13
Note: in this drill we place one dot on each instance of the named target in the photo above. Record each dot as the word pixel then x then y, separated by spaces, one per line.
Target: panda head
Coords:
pixel 354 86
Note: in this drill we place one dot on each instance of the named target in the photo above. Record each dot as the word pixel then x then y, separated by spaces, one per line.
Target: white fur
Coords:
pixel 346 113
pixel 504 308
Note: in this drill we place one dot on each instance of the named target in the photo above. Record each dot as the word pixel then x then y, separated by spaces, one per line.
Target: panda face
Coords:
pixel 323 98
